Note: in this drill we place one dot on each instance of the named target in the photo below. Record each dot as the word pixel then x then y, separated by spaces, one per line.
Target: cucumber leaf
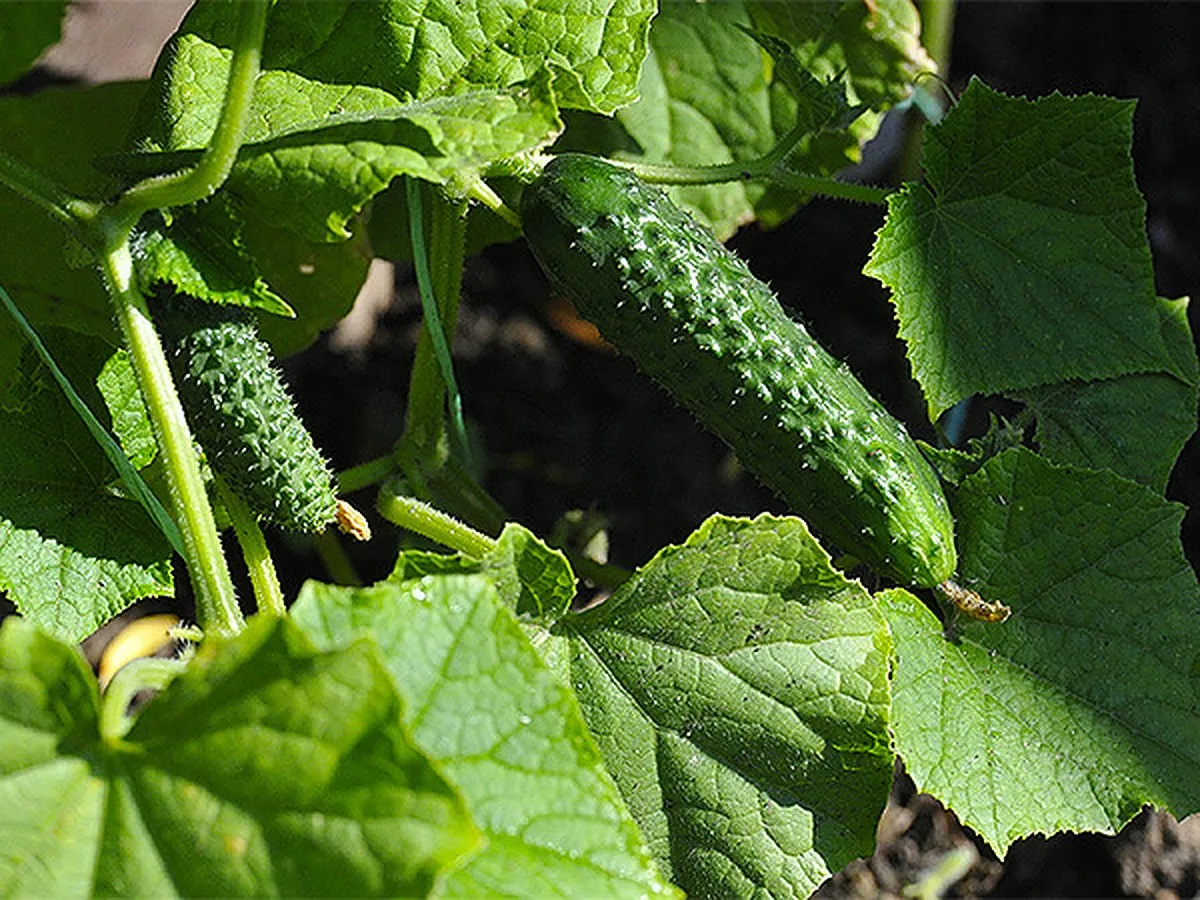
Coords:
pixel 355 94
pixel 1135 425
pixel 130 418
pixel 1085 704
pixel 1025 261
pixel 709 94
pixel 593 47
pixel 266 768
pixel 319 280
pixel 201 252
pixel 534 580
pixel 738 688
pixel 877 45
pixel 503 728
pixel 74 549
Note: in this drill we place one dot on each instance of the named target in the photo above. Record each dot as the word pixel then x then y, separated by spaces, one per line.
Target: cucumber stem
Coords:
pixel 769 167
pixel 190 185
pixel 366 474
pixel 423 453
pixel 216 604
pixel 480 190
pixel 763 169
pixel 439 278
pixel 937 35
pixel 336 560
pixel 267 592
pixel 413 514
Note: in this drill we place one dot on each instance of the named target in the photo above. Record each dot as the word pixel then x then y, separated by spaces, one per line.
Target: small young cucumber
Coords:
pixel 242 415
pixel 693 317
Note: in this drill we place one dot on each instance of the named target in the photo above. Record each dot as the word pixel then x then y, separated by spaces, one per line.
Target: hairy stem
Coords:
pixel 190 185
pixel 413 514
pixel 480 190
pixel 216 605
pixel 758 170
pixel 769 167
pixel 336 560
pixel 366 474
pixel 267 592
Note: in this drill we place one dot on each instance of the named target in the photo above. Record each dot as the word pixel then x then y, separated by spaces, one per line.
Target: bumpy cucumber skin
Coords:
pixel 242 415
pixel 693 317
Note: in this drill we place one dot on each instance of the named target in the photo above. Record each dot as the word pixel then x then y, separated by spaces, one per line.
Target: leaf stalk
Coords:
pixel 190 185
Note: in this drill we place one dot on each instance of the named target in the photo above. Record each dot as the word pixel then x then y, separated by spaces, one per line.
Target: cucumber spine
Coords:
pixel 665 292
pixel 242 415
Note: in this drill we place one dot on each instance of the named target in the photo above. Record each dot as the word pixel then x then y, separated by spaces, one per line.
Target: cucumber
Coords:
pixel 665 292
pixel 242 415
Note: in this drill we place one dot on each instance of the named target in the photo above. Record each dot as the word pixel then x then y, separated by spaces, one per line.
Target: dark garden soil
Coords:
pixel 569 426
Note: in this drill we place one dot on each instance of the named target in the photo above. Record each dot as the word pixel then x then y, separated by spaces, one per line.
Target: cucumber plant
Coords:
pixel 727 721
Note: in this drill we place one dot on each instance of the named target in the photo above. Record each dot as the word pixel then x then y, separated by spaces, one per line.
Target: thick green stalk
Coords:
pixel 769 167
pixel 423 453
pixel 937 35
pixel 190 185
pixel 755 170
pixel 411 513
pixel 366 474
pixel 937 31
pixel 216 604
pixel 267 593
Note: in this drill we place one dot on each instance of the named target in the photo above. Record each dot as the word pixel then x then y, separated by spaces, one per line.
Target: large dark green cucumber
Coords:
pixel 692 316
pixel 242 415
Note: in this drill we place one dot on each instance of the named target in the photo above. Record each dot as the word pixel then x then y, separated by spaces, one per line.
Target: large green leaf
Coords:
pixel 1135 425
pixel 74 549
pixel 355 94
pixel 418 51
pixel 534 580
pixel 510 735
pixel 1025 262
pixel 737 686
pixel 267 768
pixel 1085 704
pixel 709 94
